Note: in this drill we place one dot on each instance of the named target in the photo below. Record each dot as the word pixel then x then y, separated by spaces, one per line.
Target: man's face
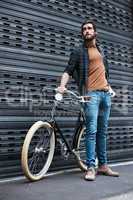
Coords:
pixel 88 32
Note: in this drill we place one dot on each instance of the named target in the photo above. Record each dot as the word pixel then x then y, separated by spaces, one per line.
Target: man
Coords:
pixel 88 65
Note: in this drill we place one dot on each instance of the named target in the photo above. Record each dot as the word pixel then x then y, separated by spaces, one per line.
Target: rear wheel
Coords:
pixel 38 150
pixel 81 150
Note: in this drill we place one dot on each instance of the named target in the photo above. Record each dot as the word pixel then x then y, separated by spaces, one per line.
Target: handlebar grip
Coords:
pixel 86 98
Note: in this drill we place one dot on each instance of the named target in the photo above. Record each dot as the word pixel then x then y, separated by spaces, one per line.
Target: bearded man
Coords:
pixel 88 65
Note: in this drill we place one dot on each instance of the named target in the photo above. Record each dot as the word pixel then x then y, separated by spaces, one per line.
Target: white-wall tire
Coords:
pixel 25 148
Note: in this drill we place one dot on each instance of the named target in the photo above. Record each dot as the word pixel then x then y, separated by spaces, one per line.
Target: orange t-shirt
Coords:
pixel 96 76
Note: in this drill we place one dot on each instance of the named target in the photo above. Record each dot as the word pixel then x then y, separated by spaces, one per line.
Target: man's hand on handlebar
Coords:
pixel 61 89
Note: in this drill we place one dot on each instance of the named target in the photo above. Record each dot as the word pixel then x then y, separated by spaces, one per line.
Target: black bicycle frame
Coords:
pixel 80 123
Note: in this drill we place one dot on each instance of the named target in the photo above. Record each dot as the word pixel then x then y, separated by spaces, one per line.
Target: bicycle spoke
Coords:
pixel 33 164
pixel 39 150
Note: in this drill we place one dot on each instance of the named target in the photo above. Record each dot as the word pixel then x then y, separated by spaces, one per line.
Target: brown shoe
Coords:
pixel 107 171
pixel 90 175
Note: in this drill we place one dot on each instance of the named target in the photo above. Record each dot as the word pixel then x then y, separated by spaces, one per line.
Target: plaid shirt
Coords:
pixel 78 66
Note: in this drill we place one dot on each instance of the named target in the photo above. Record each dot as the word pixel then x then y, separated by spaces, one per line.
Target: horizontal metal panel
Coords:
pixel 36 38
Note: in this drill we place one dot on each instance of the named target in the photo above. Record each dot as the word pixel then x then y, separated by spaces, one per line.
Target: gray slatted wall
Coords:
pixel 36 37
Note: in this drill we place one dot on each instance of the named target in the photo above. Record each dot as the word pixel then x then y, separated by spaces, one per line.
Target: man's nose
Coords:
pixel 87 31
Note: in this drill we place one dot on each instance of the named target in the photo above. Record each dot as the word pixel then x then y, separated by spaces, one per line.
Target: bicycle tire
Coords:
pixel 81 150
pixel 39 150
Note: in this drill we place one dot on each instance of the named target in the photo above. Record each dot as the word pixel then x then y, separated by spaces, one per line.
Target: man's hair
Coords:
pixel 88 22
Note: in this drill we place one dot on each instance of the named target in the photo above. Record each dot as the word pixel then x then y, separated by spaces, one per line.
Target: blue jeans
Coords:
pixel 97 112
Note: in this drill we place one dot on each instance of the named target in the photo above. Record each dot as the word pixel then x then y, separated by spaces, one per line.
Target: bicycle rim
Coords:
pixel 81 149
pixel 38 150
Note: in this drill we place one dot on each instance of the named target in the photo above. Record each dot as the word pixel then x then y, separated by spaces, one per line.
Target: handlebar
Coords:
pixel 83 99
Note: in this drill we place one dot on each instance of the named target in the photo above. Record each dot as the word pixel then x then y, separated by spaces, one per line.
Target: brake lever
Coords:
pixel 85 99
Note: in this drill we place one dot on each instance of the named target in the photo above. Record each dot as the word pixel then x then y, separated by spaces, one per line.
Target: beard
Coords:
pixel 89 38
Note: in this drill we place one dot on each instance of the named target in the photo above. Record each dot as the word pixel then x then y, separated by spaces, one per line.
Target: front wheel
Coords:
pixel 81 149
pixel 38 150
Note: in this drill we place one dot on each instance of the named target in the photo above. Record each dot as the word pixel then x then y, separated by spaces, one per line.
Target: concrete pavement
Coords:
pixel 72 186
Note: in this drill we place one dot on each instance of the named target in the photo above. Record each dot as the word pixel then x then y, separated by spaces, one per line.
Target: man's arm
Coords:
pixel 64 80
pixel 68 72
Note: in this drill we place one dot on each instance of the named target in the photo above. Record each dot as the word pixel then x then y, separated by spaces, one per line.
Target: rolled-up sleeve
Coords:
pixel 72 62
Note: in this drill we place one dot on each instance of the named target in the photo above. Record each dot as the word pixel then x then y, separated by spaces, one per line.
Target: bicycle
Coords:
pixel 39 144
